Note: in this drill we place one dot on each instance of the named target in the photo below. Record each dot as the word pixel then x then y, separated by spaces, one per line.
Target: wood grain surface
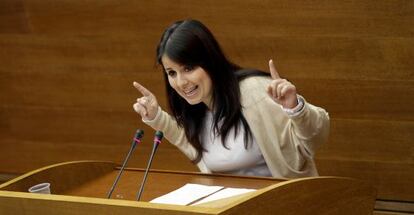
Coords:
pixel 67 69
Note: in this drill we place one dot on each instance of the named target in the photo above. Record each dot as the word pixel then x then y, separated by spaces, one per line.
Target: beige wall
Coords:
pixel 67 68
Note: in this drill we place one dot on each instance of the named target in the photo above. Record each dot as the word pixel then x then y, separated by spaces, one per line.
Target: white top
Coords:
pixel 235 159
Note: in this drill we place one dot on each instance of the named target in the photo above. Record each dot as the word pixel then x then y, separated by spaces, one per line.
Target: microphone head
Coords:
pixel 159 135
pixel 139 134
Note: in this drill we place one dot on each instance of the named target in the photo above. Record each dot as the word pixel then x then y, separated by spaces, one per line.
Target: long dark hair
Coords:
pixel 190 43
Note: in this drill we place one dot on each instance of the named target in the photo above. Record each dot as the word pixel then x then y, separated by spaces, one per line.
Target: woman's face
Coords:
pixel 193 84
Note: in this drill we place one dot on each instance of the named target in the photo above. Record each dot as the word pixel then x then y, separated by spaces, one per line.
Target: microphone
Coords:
pixel 137 139
pixel 157 140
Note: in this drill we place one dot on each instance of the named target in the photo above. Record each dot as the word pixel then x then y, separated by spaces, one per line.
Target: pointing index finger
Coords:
pixel 142 89
pixel 273 71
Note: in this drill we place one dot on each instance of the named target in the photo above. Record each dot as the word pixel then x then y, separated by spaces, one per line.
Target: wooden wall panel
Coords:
pixel 380 151
pixel 393 180
pixel 359 140
pixel 358 99
pixel 296 57
pixel 315 57
pixel 67 68
pixel 108 74
pixel 363 18
pixel 13 17
pixel 32 153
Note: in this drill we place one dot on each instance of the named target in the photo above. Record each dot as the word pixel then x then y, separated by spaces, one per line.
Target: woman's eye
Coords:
pixel 171 73
pixel 188 68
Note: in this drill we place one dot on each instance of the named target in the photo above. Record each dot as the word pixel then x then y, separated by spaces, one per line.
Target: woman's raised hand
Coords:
pixel 281 90
pixel 147 105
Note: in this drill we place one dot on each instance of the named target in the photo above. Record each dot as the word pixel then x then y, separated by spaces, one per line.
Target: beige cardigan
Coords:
pixel 287 142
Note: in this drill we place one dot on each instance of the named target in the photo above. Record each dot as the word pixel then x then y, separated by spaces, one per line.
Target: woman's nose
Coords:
pixel 182 81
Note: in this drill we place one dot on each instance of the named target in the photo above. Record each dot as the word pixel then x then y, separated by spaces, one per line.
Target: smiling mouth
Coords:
pixel 191 92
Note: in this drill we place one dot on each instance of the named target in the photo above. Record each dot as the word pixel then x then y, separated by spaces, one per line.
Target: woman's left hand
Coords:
pixel 281 90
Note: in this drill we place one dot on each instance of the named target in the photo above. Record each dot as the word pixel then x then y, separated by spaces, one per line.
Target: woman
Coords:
pixel 227 119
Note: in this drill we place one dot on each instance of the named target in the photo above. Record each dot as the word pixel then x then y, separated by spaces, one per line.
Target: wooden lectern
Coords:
pixel 81 187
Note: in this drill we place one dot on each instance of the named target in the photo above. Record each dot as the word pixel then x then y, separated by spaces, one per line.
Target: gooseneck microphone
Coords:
pixel 135 141
pixel 157 140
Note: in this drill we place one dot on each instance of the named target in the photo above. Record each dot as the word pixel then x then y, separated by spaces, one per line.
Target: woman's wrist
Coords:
pixel 156 116
pixel 297 109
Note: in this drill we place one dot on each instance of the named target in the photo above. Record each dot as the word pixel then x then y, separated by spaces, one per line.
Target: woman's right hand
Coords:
pixel 147 105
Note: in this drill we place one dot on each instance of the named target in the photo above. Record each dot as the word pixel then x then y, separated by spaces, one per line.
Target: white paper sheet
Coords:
pixel 186 194
pixel 224 193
